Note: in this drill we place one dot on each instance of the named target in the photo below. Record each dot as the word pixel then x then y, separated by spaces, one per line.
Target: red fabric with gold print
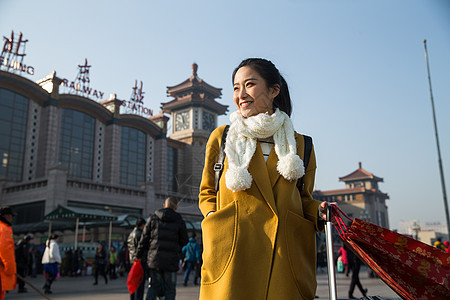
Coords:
pixel 414 270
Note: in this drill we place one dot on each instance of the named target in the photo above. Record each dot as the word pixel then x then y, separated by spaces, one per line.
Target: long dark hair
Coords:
pixel 267 70
pixel 53 236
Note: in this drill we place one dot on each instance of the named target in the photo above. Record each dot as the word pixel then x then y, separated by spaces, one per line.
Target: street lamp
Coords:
pixel 441 170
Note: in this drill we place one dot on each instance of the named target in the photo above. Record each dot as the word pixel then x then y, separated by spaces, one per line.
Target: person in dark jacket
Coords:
pixel 198 269
pixel 163 237
pixel 67 263
pixel 22 260
pixel 124 260
pixel 354 264
pixel 78 262
pixel 133 242
pixel 100 263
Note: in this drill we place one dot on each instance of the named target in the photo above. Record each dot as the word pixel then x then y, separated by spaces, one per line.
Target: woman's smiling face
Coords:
pixel 251 94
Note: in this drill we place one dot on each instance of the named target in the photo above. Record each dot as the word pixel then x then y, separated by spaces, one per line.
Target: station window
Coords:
pixel 76 151
pixel 13 124
pixel 133 149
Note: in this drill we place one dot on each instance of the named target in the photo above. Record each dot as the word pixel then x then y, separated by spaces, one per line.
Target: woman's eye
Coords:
pixel 235 88
pixel 249 84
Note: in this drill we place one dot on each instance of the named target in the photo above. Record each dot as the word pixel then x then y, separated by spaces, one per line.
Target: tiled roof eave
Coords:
pixel 177 104
pixel 194 83
pixel 357 178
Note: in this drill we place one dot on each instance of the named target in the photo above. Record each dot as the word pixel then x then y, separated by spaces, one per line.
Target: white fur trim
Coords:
pixel 291 167
pixel 238 179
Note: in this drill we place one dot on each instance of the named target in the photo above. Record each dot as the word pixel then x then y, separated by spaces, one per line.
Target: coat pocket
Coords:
pixel 219 242
pixel 301 245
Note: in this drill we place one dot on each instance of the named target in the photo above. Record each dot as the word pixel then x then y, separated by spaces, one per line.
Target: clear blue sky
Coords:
pixel 356 71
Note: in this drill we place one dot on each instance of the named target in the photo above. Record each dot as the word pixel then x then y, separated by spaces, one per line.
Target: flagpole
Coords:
pixel 444 192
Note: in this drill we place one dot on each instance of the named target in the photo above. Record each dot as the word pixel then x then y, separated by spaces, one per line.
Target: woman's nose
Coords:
pixel 242 93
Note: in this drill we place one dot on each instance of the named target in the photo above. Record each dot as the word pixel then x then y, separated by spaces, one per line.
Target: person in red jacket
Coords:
pixel 8 269
pixel 447 246
pixel 343 253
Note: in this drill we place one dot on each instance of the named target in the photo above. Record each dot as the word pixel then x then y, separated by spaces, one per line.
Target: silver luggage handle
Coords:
pixel 330 255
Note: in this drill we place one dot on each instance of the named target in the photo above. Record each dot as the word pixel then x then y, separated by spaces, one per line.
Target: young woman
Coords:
pixel 259 229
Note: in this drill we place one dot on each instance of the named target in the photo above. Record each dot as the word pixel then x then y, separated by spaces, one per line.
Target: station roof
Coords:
pixel 65 213
pixel 360 174
pixel 194 91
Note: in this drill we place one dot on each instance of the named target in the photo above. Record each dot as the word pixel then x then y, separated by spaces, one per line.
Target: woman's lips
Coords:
pixel 245 104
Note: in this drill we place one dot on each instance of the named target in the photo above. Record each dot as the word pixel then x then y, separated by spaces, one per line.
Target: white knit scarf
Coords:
pixel 241 145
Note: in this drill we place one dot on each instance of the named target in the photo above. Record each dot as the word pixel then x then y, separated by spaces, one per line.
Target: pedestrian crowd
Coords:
pixel 444 246
pixel 161 245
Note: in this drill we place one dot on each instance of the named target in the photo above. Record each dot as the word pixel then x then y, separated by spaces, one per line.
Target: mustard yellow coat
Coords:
pixel 259 243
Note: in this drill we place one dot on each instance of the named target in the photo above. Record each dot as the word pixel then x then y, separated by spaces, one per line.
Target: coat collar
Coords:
pixel 264 175
pixel 272 162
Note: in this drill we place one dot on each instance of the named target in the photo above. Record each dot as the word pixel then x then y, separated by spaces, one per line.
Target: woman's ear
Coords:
pixel 274 90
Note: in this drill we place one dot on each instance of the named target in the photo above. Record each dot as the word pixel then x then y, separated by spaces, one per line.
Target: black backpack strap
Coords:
pixel 308 149
pixel 307 156
pixel 218 167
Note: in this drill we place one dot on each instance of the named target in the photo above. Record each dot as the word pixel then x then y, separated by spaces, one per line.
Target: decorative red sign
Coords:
pixel 138 94
pixel 81 83
pixel 9 44
pixel 10 57
pixel 82 89
pixel 137 107
pixel 136 104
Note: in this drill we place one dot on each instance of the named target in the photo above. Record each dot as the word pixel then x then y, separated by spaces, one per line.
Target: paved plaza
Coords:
pixel 81 288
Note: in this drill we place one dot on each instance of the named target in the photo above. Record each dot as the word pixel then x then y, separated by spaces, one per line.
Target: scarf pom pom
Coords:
pixel 291 167
pixel 238 179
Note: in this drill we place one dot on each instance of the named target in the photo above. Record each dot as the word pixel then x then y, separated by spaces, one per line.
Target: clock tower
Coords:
pixel 193 110
pixel 193 116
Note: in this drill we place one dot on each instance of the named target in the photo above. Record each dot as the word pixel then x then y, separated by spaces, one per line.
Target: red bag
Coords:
pixel 135 277
pixel 414 270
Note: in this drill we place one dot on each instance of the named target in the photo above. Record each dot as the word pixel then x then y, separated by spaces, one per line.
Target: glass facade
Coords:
pixel 76 149
pixel 133 149
pixel 13 127
pixel 29 213
pixel 172 158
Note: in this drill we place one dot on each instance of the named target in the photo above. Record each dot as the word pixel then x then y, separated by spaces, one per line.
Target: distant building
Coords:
pixel 427 232
pixel 63 148
pixel 361 198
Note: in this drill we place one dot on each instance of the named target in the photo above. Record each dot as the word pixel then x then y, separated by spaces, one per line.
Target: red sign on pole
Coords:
pixel 9 44
pixel 12 55
pixel 138 94
pixel 81 84
pixel 136 103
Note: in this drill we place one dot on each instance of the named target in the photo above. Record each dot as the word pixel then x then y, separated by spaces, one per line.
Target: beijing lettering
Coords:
pixel 13 53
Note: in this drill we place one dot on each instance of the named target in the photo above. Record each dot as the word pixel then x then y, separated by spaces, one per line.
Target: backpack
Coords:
pixel 218 167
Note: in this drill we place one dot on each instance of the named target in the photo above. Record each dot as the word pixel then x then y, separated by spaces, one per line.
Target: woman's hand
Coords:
pixel 323 212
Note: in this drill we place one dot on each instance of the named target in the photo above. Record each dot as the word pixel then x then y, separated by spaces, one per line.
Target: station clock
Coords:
pixel 208 121
pixel 182 121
